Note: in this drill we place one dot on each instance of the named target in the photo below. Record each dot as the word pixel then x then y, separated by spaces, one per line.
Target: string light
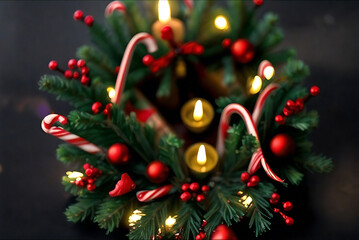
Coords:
pixel 74 174
pixel 111 92
pixel 221 22
pixel 256 85
pixel 135 217
pixel 170 221
pixel 268 72
pixel 245 200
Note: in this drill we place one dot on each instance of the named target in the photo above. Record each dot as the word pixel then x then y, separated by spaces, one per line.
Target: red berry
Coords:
pixel 198 237
pixel 245 176
pixel 198 50
pixel 89 172
pixel 166 33
pixel 76 75
pixel 205 188
pixel 254 179
pixel 78 15
pixel 194 187
pixel 52 65
pixel 289 221
pixel 86 166
pixel 273 201
pixel 314 91
pixel 68 74
pixel 251 184
pixel 276 196
pixel 279 119
pixel 81 63
pixel 85 80
pixel 258 2
pixel 290 104
pixel 185 187
pixel 299 105
pixel 79 182
pixel 204 223
pixel 276 210
pixel 203 235
pixel 287 112
pixel 96 107
pixel 72 63
pixel 147 60
pixel 185 196
pixel 287 206
pixel 243 50
pixel 91 187
pixel 200 198
pixel 226 43
pixel 107 110
pixel 88 20
pixel 90 181
pixel 85 70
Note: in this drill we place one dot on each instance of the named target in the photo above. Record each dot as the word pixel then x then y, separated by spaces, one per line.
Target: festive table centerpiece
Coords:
pixel 182 126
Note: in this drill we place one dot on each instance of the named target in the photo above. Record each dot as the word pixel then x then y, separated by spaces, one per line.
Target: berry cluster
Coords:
pixel 242 50
pixel 79 16
pixel 89 180
pixel 202 234
pixel 97 106
pixel 251 181
pixel 72 73
pixel 287 206
pixel 194 188
pixel 294 107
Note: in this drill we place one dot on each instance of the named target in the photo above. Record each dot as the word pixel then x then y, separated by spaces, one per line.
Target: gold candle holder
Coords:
pixel 201 158
pixel 197 114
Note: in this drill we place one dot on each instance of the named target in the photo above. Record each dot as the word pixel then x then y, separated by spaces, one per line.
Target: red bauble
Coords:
pixel 282 145
pixel 289 221
pixel 253 181
pixel 89 172
pixel 78 15
pixel 287 206
pixel 194 187
pixel 198 50
pixel 276 196
pixel 147 60
pixel 242 50
pixel 314 91
pixel 157 172
pixel 118 153
pixel 245 176
pixel 52 65
pixel 96 107
pixel 185 196
pixel 223 232
pixel 88 20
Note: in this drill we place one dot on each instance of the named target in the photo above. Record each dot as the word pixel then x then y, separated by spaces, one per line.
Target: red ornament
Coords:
pixel 88 20
pixel 147 60
pixel 76 75
pixel 200 198
pixel 185 187
pixel 123 186
pixel 85 80
pixel 223 232
pixel 96 107
pixel 118 154
pixel 245 176
pixel 314 91
pixel 157 172
pixel 205 188
pixel 52 65
pixel 289 221
pixel 78 15
pixel 282 145
pixel 72 63
pixel 81 63
pixel 242 50
pixel 91 187
pixel 279 119
pixel 185 196
pixel 194 187
pixel 276 196
pixel 258 2
pixel 226 43
pixel 287 206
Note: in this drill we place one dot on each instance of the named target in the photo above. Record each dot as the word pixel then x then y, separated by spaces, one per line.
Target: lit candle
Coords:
pixel 197 114
pixel 164 19
pixel 201 158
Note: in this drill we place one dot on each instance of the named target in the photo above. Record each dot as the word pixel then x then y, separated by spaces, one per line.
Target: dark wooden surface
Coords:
pixel 32 199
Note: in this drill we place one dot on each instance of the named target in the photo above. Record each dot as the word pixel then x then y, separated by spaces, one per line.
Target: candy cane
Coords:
pixel 115 6
pixel 151 45
pixel 261 101
pixel 149 195
pixel 47 125
pixel 262 66
pixel 257 157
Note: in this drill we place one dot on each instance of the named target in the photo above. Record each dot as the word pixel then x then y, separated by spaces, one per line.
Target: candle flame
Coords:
pixel 256 85
pixel 268 72
pixel 170 221
pixel 198 111
pixel 164 11
pixel 111 92
pixel 221 22
pixel 201 155
pixel 74 174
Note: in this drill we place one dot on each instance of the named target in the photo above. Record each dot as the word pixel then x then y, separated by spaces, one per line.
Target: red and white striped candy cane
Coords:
pixel 149 195
pixel 261 101
pixel 262 66
pixel 47 125
pixel 151 45
pixel 115 6
pixel 189 4
pixel 257 157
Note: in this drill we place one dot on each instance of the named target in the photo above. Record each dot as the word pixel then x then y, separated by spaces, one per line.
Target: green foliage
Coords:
pixel 296 70
pixel 303 121
pixel 189 218
pixel 223 102
pixel 164 89
pixel 68 154
pixel 318 163
pixel 263 28
pixel 292 174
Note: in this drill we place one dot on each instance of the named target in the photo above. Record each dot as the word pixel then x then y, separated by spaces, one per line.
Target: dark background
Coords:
pixel 32 199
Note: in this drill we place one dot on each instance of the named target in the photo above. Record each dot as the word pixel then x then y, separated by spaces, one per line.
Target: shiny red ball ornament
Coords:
pixel 223 232
pixel 287 206
pixel 200 198
pixel 72 63
pixel 226 43
pixel 185 187
pixel 85 80
pixel 314 91
pixel 78 15
pixel 279 119
pixel 205 188
pixel 289 221
pixel 68 74
pixel 147 60
pixel 81 63
pixel 52 65
pixel 88 20
pixel 242 50
pixel 282 145
pixel 194 187
pixel 118 154
pixel 258 2
pixel 185 196
pixel 91 187
pixel 157 172
pixel 245 176
pixel 96 107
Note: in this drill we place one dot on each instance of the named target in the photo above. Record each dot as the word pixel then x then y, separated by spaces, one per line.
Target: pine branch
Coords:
pixel 296 70
pixel 280 56
pixel 164 89
pixel 189 219
pixel 263 28
pixel 292 174
pixel 68 154
pixel 303 121
pixel 223 102
pixel 196 19
pixel 317 163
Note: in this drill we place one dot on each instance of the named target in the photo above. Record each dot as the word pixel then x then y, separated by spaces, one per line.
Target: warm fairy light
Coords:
pixel 268 72
pixel 256 85
pixel 74 174
pixel 164 11
pixel 135 217
pixel 246 201
pixel 111 92
pixel 198 111
pixel 221 22
pixel 201 155
pixel 170 221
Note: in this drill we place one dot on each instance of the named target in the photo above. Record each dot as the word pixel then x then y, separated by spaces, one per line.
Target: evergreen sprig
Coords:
pixel 189 219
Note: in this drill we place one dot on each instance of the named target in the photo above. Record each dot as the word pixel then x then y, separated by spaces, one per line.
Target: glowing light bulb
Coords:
pixel 74 174
pixel 198 111
pixel 268 72
pixel 201 155
pixel 246 201
pixel 170 221
pixel 111 92
pixel 164 11
pixel 135 217
pixel 221 22
pixel 256 85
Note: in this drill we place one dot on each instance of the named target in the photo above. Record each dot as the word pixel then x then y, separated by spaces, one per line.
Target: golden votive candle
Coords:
pixel 201 157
